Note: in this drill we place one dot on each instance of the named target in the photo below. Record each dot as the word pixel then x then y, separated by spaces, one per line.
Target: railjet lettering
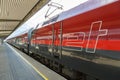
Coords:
pixel 93 37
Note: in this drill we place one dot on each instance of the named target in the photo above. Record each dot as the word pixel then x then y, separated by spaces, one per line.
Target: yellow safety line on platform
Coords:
pixel 29 63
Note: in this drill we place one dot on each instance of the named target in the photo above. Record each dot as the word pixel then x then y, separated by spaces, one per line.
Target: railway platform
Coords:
pixel 15 65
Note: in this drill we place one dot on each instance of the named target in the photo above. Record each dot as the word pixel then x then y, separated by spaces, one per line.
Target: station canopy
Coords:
pixel 19 17
pixel 14 13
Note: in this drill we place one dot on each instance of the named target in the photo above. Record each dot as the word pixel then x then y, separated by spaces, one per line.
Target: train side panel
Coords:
pixel 88 42
pixel 91 42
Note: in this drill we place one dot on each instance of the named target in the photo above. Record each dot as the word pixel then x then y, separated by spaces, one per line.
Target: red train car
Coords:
pixel 82 42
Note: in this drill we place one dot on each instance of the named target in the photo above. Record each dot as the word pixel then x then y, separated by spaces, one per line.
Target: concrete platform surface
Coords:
pixel 15 65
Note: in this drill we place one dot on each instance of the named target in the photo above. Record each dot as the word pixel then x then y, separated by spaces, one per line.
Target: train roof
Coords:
pixel 80 9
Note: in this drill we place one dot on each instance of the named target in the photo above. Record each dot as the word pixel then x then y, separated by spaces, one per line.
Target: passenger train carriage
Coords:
pixel 82 42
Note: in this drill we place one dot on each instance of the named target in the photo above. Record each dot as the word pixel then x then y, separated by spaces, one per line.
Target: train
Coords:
pixel 83 43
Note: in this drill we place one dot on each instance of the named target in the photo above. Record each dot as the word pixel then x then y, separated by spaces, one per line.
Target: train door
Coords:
pixel 57 40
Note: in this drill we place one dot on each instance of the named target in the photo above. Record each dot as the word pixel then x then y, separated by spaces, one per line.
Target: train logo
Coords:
pixel 93 37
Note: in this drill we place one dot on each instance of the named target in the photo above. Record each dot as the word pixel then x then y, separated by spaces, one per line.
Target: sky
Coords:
pixel 39 17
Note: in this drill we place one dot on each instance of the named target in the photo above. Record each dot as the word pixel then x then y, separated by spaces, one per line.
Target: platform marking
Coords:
pixel 29 63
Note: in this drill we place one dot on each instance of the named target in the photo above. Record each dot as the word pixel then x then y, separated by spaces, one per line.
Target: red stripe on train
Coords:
pixel 101 44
